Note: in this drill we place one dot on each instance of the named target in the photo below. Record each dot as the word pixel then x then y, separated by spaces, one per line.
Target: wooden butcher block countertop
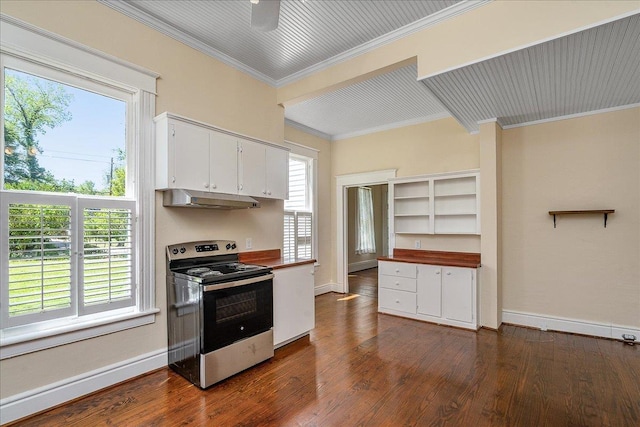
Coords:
pixel 270 258
pixel 451 259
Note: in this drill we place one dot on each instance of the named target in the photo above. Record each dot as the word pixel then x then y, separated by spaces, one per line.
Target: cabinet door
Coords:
pixel 277 173
pixel 457 294
pixel 293 302
pixel 224 163
pixel 430 290
pixel 188 156
pixel 252 169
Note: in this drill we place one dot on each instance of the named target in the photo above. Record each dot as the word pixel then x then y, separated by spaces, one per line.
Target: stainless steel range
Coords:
pixel 220 311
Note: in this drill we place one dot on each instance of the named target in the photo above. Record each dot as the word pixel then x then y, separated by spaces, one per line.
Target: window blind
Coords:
pixel 39 260
pixel 107 256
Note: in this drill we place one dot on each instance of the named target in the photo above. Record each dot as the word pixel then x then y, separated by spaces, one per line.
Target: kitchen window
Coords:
pixel 299 210
pixel 76 212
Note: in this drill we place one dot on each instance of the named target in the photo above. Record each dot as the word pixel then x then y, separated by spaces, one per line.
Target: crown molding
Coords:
pixel 307 129
pixel 161 26
pixel 426 22
pixel 390 126
pixel 570 116
pixel 164 28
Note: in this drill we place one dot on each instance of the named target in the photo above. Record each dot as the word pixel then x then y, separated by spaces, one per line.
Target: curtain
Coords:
pixel 365 234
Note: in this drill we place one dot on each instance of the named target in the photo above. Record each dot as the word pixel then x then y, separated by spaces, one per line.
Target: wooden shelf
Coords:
pixel 605 212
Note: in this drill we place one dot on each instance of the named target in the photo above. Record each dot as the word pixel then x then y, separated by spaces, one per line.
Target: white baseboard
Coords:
pixel 362 265
pixel 30 402
pixel 323 289
pixel 575 326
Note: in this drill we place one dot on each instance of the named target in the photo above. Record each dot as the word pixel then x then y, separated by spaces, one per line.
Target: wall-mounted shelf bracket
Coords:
pixel 605 212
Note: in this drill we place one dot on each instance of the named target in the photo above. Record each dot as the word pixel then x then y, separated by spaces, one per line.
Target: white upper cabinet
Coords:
pixel 223 161
pixel 264 170
pixel 195 156
pixel 252 170
pixel 189 146
pixel 277 173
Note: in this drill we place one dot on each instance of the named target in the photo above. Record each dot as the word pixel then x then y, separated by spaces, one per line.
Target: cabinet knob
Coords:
pixel 397 301
pixel 397 270
pixel 240 187
pixel 448 273
pixel 206 186
pixel 264 192
pixel 397 283
pixel 173 179
pixel 214 186
pixel 269 192
pixel 437 272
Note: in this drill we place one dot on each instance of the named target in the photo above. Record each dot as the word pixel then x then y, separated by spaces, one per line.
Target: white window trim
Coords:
pixel 38 46
pixel 312 153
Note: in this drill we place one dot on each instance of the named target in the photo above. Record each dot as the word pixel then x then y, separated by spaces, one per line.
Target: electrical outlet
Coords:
pixel 248 243
pixel 417 244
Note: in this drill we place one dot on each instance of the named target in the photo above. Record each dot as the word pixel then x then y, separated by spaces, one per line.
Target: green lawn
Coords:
pixel 40 285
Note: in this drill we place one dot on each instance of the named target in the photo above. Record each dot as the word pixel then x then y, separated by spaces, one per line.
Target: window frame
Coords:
pixel 72 63
pixel 310 156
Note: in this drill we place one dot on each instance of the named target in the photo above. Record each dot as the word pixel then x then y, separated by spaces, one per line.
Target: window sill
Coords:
pixel 22 340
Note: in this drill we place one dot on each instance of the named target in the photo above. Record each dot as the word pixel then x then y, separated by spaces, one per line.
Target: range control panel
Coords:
pixel 201 249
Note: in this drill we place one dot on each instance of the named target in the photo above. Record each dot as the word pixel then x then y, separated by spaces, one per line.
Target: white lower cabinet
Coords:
pixel 293 303
pixel 445 295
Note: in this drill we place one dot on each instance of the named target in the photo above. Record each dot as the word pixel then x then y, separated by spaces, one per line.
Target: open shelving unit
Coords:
pixel 435 204
pixel 411 205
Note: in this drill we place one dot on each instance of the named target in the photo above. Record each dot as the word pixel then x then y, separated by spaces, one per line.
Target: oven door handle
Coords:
pixel 257 279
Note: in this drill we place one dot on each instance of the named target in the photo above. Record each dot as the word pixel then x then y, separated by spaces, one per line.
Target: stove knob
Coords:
pixel 233 246
pixel 182 250
pixel 228 246
pixel 174 251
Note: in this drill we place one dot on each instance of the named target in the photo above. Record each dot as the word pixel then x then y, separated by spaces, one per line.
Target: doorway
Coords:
pixel 343 183
pixel 367 236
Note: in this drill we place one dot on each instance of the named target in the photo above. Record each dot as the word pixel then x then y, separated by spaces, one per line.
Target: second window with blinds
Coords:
pixel 298 210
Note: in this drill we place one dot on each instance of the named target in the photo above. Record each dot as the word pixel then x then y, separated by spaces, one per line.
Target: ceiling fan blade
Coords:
pixel 265 15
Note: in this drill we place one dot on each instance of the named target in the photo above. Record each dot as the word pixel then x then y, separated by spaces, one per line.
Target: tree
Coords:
pixel 116 179
pixel 32 106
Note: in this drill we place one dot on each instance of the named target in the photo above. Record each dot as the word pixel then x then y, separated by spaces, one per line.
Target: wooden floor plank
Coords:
pixel 359 367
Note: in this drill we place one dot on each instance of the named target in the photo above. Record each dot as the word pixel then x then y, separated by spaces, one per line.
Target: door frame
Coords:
pixel 343 182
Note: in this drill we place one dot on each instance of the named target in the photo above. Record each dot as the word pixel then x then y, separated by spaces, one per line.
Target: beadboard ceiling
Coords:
pixel 592 70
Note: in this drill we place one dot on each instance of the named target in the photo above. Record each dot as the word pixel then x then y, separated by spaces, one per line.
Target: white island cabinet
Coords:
pixel 293 303
pixel 441 294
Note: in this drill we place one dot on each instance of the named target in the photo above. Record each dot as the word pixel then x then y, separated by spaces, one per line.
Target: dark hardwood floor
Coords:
pixel 363 368
pixel 364 283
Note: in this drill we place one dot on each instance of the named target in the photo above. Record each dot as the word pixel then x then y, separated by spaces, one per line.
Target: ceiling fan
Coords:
pixel 265 14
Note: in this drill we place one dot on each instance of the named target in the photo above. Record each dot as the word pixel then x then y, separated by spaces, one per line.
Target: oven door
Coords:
pixel 236 310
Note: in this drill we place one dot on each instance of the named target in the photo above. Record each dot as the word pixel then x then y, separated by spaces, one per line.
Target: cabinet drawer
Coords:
pixel 398 283
pixel 400 269
pixel 397 300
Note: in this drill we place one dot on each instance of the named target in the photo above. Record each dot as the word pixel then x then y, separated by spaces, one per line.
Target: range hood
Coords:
pixel 205 199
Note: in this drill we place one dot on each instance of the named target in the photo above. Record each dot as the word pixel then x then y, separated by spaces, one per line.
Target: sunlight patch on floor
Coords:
pixel 348 297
